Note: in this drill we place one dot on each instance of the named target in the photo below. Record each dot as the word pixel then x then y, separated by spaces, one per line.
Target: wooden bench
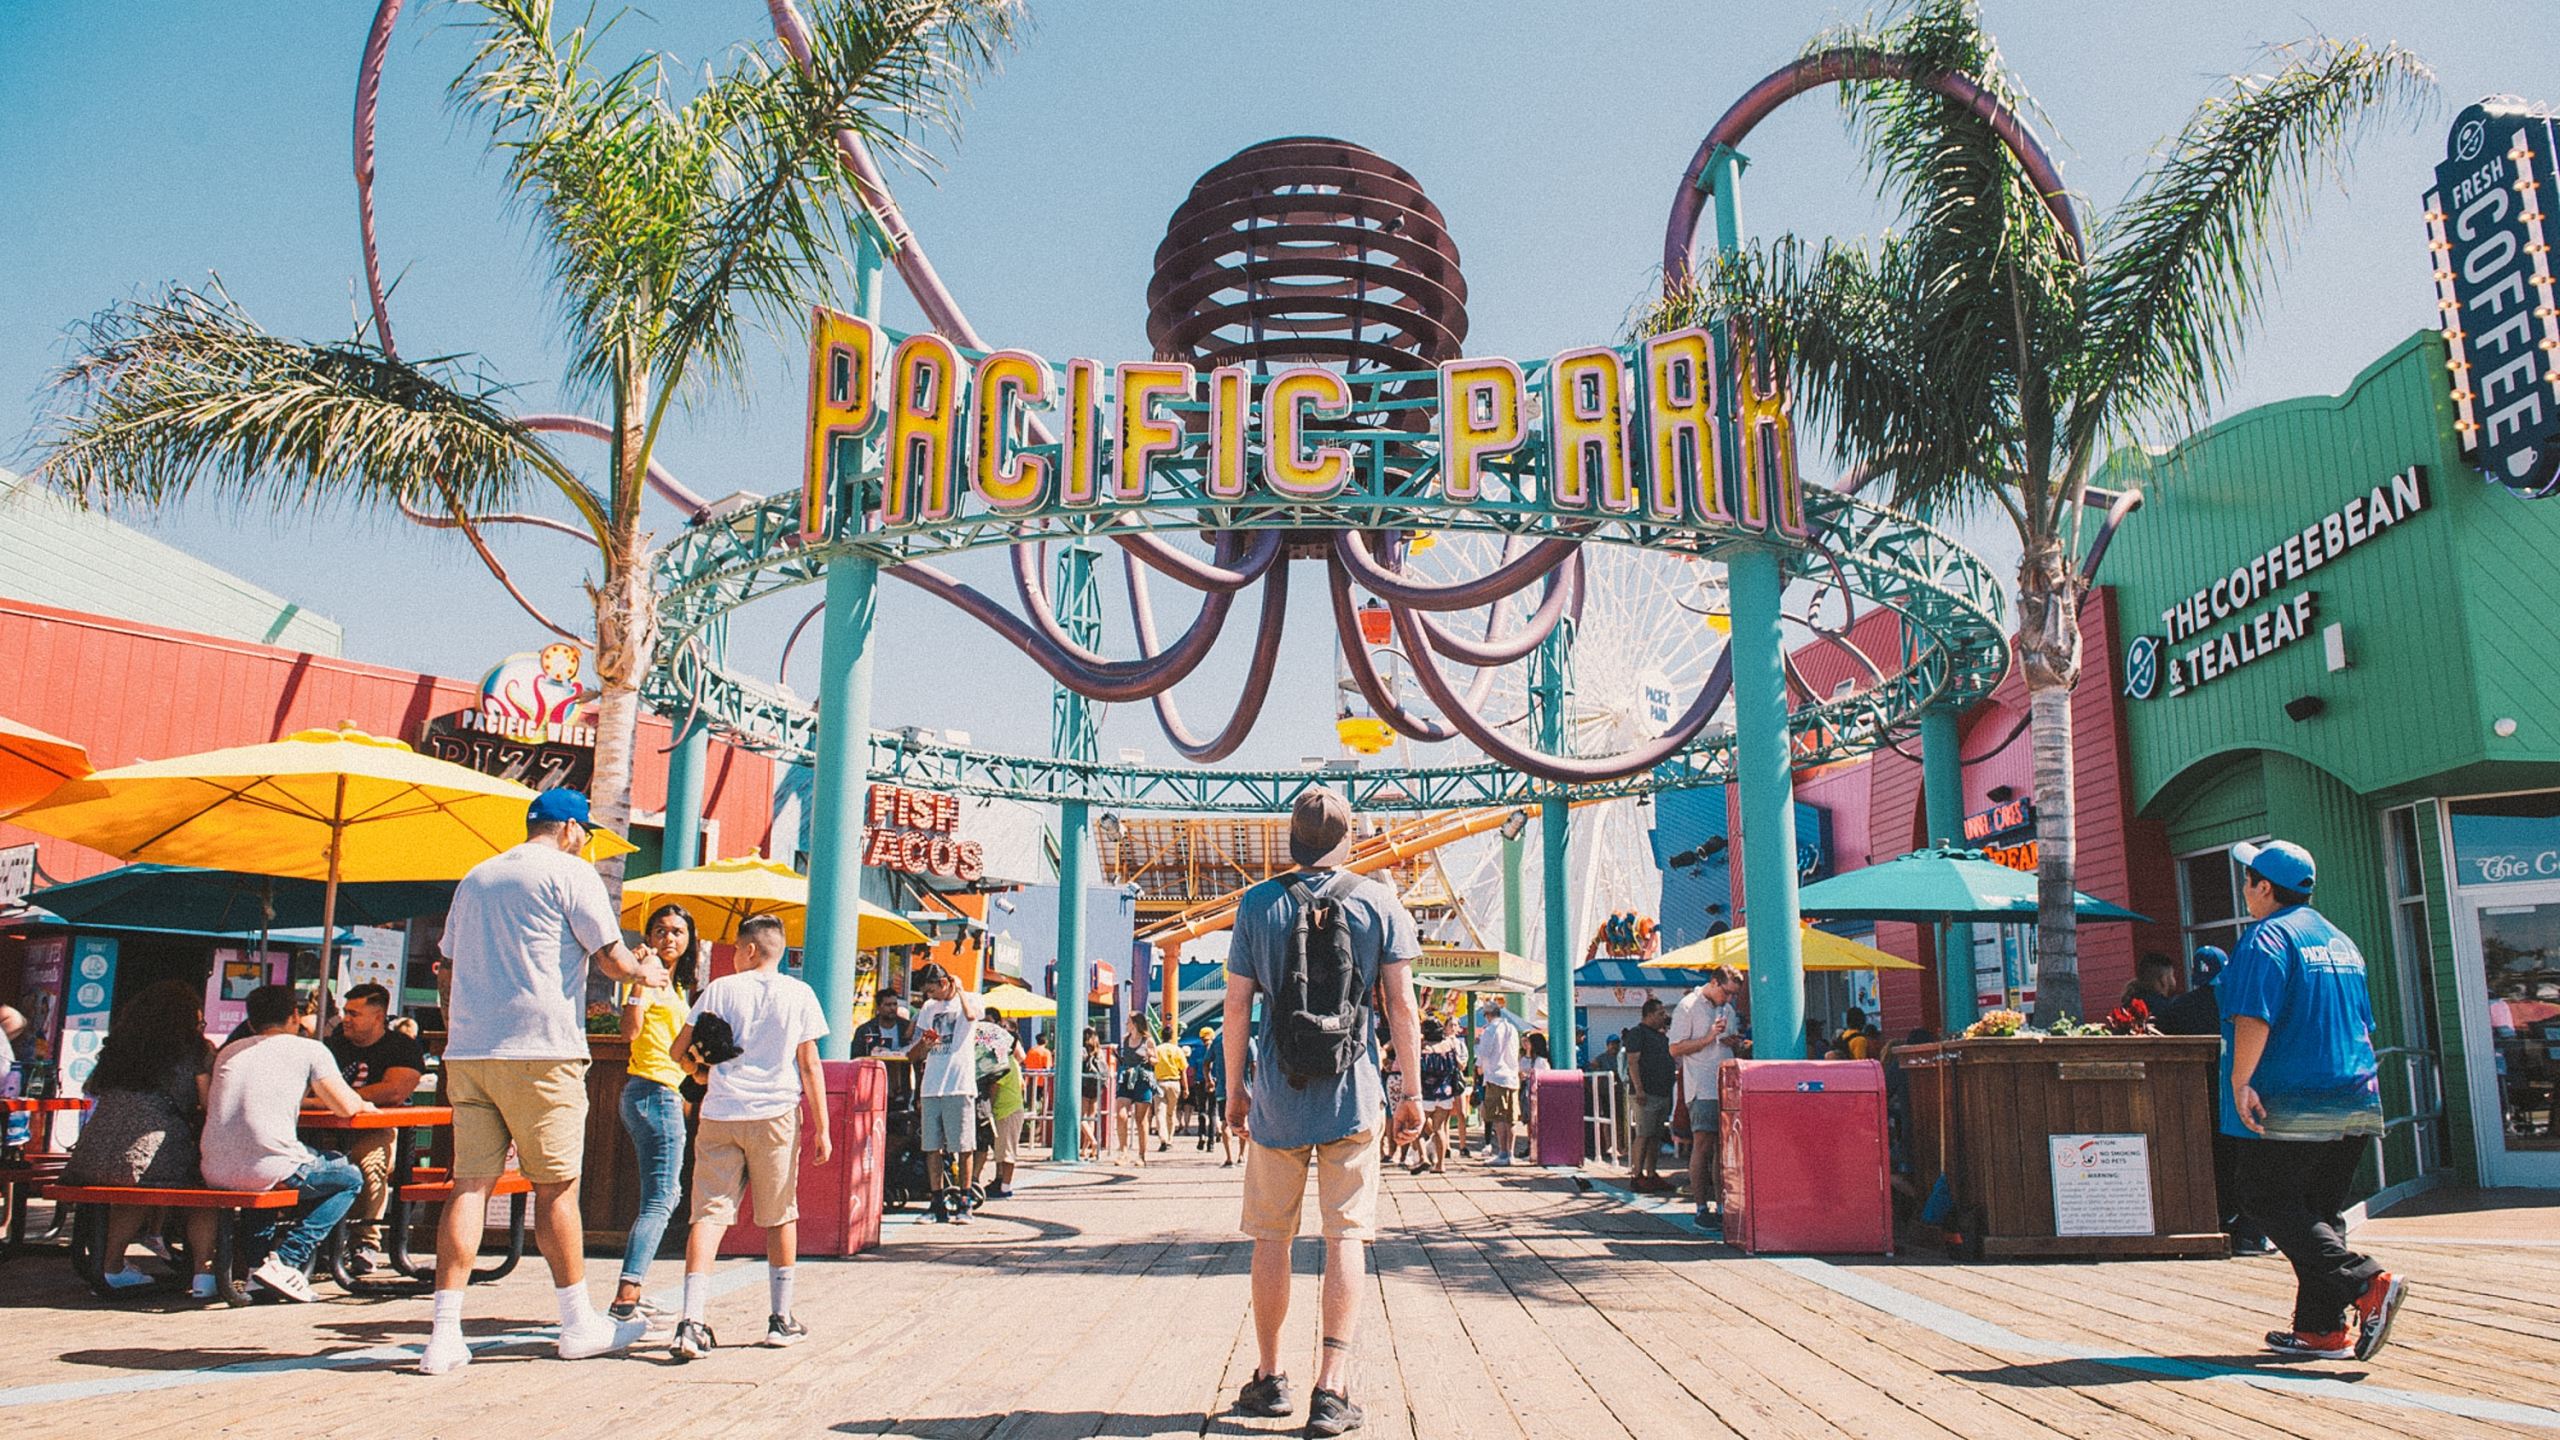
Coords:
pixel 89 1225
pixel 432 1185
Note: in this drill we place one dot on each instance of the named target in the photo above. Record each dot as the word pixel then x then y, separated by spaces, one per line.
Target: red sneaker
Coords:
pixel 2374 1310
pixel 2332 1346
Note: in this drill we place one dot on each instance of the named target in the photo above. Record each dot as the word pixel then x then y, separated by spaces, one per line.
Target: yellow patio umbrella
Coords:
pixel 329 805
pixel 724 894
pixel 1822 951
pixel 33 764
pixel 1014 1000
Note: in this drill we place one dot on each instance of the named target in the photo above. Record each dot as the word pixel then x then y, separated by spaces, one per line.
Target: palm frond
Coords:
pixel 2186 260
pixel 167 396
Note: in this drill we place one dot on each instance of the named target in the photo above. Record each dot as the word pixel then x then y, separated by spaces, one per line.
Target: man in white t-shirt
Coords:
pixel 522 931
pixel 748 1142
pixel 1498 1061
pixel 250 1142
pixel 1703 1030
pixel 947 1047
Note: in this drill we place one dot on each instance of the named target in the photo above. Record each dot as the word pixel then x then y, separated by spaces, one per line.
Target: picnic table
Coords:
pixel 412 1187
pixel 24 1169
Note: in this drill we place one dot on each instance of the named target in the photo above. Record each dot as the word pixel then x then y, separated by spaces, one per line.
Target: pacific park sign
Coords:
pixel 1601 431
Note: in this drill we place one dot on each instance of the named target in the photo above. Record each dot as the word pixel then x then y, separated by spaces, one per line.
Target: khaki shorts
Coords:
pixel 540 1106
pixel 1275 1183
pixel 1009 1136
pixel 733 1158
pixel 1501 1103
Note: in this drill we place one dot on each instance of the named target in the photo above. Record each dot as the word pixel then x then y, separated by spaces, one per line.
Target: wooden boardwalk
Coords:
pixel 1508 1303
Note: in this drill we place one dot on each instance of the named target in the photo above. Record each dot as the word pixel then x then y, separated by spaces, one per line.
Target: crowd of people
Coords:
pixel 1325 1068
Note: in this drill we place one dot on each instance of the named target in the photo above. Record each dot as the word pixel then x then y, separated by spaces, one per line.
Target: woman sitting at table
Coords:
pixel 150 1088
pixel 653 1108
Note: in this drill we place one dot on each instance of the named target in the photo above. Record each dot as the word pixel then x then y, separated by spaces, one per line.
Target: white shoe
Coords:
pixel 445 1353
pixel 598 1335
pixel 284 1279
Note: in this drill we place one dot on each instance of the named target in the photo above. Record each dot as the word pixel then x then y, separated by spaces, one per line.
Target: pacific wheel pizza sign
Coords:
pixel 2489 231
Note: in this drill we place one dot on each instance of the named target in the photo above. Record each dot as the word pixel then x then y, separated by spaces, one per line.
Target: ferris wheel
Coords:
pixel 1650 627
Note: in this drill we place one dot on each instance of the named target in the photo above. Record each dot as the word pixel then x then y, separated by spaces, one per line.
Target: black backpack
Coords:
pixel 1320 1018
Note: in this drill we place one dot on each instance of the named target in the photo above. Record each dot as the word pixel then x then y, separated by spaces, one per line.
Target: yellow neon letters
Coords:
pixel 1080 452
pixel 1294 397
pixel 924 421
pixel 1587 430
pixel 1683 468
pixel 1771 495
pixel 1143 434
pixel 1007 481
pixel 1479 419
pixel 1230 396
pixel 844 403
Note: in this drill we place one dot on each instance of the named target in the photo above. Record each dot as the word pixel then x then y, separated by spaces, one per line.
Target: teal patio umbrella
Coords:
pixel 232 902
pixel 1941 887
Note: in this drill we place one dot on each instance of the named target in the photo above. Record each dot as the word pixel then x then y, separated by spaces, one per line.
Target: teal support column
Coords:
pixel 1515 909
pixel 1942 804
pixel 1766 781
pixel 1554 818
pixel 681 847
pixel 1066 1085
pixel 1074 734
pixel 838 787
pixel 1763 773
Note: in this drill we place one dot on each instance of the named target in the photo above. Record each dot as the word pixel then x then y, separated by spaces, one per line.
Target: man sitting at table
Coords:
pixel 250 1143
pixel 384 1066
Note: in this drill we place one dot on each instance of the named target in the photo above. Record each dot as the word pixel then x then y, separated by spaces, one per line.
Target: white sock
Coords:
pixel 574 1305
pixel 777 1278
pixel 697 1294
pixel 448 1312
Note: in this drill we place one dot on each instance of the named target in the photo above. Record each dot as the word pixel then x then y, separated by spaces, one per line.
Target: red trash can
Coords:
pixel 1559 1137
pixel 1806 1165
pixel 840 1200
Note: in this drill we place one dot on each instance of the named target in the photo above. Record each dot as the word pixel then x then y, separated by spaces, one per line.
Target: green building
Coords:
pixel 2336 632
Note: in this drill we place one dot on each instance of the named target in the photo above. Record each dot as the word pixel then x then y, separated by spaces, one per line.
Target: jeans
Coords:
pixel 654 1114
pixel 328 1182
pixel 2296 1191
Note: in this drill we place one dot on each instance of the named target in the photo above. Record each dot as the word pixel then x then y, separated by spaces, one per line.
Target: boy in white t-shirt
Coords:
pixel 749 1138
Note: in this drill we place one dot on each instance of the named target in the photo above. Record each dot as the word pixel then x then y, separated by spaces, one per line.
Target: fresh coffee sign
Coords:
pixel 2489 231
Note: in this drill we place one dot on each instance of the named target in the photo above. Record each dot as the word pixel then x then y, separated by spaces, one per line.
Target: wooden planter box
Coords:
pixel 1984 1112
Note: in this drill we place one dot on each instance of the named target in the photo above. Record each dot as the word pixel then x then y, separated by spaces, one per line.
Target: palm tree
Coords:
pixel 1977 358
pixel 673 224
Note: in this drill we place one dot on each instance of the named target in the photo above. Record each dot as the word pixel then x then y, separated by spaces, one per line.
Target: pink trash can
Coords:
pixel 1806 1166
pixel 1559 1137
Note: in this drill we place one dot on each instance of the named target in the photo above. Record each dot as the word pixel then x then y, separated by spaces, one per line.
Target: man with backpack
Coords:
pixel 1324 949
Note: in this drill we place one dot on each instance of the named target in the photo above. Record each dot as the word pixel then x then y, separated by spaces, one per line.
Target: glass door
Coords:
pixel 2511 1016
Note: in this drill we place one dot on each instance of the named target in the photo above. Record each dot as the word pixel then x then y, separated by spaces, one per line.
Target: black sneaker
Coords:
pixel 1265 1395
pixel 783 1331
pixel 1332 1413
pixel 693 1340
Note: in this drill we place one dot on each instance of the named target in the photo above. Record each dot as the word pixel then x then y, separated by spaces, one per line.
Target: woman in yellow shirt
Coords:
pixel 652 1111
pixel 1172 1066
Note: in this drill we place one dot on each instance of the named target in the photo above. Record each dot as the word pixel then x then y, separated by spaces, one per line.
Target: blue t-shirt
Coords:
pixel 2305 978
pixel 1283 1117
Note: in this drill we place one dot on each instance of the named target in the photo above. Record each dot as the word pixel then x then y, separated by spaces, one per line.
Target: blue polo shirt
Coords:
pixel 2305 978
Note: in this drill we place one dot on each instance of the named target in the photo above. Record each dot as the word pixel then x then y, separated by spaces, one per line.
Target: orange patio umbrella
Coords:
pixel 33 763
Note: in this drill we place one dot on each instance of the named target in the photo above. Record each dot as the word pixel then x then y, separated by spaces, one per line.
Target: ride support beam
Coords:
pixel 1066 1084
pixel 1554 827
pixel 681 845
pixel 839 789
pixel 1515 916
pixel 1942 806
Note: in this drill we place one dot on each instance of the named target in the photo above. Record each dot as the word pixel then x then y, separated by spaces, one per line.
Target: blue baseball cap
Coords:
pixel 560 804
pixel 2278 862
pixel 2207 963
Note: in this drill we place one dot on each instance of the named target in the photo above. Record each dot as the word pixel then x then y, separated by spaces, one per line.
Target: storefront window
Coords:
pixel 2506 859
pixel 2209 899
pixel 2411 946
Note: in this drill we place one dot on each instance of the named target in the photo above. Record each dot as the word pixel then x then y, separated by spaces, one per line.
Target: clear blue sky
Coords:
pixel 145 143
